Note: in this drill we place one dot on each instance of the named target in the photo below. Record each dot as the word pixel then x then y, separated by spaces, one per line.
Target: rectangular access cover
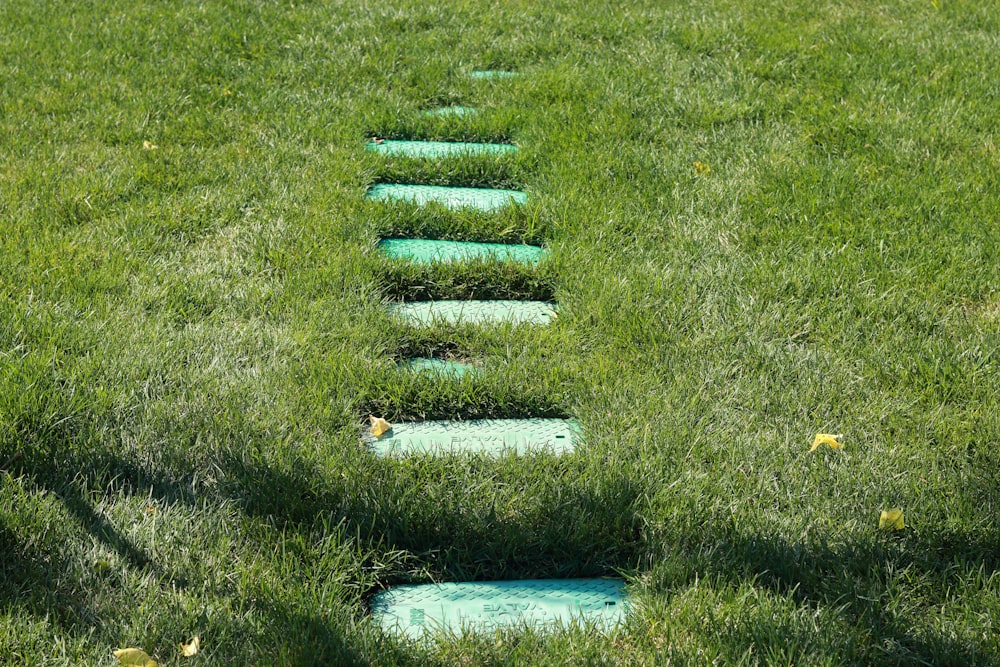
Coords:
pixel 455 110
pixel 479 436
pixel 492 74
pixel 437 149
pixel 481 199
pixel 426 313
pixel 416 611
pixel 441 367
pixel 427 251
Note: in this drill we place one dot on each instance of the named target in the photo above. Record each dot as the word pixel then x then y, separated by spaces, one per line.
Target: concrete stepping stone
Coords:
pixel 425 313
pixel 482 199
pixel 444 367
pixel 437 149
pixel 417 611
pixel 492 74
pixel 428 251
pixel 454 110
pixel 492 437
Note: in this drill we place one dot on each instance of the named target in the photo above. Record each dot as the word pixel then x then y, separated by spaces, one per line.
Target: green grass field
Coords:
pixel 192 327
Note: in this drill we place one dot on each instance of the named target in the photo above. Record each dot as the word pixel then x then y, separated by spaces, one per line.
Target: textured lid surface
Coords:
pixel 456 110
pixel 424 313
pixel 427 251
pixel 482 199
pixel 492 74
pixel 436 149
pixel 416 610
pixel 479 436
pixel 439 366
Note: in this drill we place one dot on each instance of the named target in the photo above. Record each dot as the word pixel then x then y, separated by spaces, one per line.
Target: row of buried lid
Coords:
pixel 419 610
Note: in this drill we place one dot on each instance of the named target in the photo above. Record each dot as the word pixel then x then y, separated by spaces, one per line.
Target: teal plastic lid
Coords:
pixel 482 199
pixel 428 251
pixel 436 149
pixel 444 367
pixel 417 611
pixel 492 74
pixel 479 436
pixel 455 110
pixel 424 313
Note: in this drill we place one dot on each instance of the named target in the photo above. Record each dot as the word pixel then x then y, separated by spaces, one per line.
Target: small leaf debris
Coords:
pixel 831 441
pixel 191 648
pixel 134 657
pixel 891 520
pixel 379 426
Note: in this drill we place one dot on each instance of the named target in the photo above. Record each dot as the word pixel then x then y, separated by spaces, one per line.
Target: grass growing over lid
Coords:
pixel 768 220
pixel 454 110
pixel 439 367
pixel 436 149
pixel 492 74
pixel 431 251
pixel 424 313
pixel 452 197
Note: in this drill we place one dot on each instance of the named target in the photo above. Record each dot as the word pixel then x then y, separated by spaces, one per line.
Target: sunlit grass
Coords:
pixel 766 221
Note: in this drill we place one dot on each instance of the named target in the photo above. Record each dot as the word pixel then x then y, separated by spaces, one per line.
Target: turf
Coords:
pixel 765 219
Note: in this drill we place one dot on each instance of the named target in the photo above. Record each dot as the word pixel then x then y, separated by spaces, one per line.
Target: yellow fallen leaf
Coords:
pixel 701 167
pixel 187 650
pixel 826 439
pixel 379 426
pixel 147 146
pixel 102 566
pixel 134 657
pixel 891 520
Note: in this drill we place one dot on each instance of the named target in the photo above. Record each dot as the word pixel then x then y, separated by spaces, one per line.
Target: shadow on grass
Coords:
pixel 571 527
pixel 407 281
pixel 856 581
pixel 30 581
pixel 38 577
pixel 571 531
pixel 298 638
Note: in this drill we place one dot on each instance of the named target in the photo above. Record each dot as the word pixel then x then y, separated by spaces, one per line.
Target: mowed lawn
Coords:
pixel 767 220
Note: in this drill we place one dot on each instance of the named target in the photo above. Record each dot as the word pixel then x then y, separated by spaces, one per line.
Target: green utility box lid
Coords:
pixel 428 251
pixel 484 606
pixel 492 74
pixel 456 110
pixel 436 149
pixel 478 436
pixel 481 199
pixel 444 367
pixel 426 313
